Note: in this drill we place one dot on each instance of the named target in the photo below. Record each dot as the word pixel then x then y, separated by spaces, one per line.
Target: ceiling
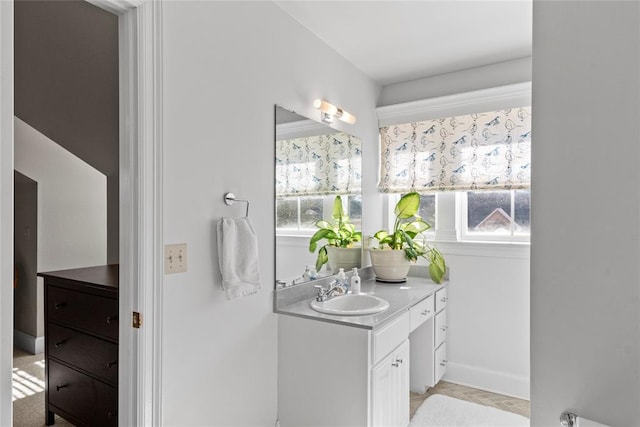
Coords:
pixel 397 41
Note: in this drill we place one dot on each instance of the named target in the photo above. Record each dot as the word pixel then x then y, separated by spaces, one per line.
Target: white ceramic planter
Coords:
pixel 389 265
pixel 346 258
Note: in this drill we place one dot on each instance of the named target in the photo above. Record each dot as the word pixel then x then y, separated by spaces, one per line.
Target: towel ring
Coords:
pixel 230 198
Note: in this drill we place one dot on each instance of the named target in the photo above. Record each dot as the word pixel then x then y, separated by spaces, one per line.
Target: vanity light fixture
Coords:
pixel 329 111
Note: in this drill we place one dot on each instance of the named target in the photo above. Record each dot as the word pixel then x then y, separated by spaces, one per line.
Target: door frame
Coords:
pixel 141 257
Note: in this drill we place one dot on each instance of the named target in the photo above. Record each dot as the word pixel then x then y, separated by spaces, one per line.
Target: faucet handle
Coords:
pixel 322 293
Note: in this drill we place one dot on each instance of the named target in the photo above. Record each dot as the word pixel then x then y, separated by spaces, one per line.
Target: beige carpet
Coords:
pixel 28 391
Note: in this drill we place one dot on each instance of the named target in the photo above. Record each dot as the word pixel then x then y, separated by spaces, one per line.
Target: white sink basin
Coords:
pixel 351 305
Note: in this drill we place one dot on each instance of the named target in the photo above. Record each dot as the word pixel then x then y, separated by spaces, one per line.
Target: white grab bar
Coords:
pixel 568 419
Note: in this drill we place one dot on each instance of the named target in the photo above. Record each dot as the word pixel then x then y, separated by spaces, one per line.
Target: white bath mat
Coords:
pixel 444 411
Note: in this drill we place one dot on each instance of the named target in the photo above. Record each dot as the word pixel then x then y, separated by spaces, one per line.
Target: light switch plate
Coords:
pixel 175 258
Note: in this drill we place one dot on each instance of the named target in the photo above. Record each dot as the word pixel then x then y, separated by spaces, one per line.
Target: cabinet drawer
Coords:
pixel 91 313
pixel 421 312
pixel 390 336
pixel 441 299
pixel 86 352
pixel 440 333
pixel 440 362
pixel 91 402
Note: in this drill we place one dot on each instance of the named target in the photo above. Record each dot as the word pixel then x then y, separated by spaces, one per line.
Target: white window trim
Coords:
pixel 479 101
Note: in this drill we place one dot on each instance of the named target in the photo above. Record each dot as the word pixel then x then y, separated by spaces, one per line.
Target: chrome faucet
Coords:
pixel 335 288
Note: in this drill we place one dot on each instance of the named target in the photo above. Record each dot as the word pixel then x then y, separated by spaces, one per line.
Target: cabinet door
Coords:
pixel 390 389
pixel 440 365
pixel 382 393
pixel 402 385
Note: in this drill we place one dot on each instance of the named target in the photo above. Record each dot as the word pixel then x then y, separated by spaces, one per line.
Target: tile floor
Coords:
pixel 506 403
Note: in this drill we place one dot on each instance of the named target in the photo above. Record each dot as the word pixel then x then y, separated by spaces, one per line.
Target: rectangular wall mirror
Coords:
pixel 314 163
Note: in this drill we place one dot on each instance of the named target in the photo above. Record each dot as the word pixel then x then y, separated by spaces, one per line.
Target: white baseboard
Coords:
pixel 483 379
pixel 28 343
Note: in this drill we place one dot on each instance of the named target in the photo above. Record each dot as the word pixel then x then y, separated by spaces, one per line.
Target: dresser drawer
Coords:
pixel 91 402
pixel 441 299
pixel 390 336
pixel 92 313
pixel 440 332
pixel 98 357
pixel 421 312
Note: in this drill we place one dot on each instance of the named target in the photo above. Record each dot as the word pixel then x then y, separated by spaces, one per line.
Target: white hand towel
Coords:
pixel 238 257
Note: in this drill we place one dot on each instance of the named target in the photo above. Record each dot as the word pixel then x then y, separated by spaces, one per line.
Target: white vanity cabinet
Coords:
pixel 338 372
pixel 428 344
pixel 337 375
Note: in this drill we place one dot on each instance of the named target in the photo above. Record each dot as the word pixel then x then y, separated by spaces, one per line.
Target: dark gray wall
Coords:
pixel 66 85
pixel 25 249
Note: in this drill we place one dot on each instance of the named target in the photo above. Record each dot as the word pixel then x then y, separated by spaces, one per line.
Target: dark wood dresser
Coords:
pixel 81 345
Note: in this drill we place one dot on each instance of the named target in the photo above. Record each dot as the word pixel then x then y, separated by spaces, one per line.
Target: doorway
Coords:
pixel 140 139
pixel 66 138
pixel 27 306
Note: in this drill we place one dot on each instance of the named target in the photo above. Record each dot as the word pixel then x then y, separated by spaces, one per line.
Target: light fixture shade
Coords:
pixel 347 117
pixel 329 111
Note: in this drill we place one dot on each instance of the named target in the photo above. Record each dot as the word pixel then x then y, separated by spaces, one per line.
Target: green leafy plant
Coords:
pixel 407 227
pixel 341 234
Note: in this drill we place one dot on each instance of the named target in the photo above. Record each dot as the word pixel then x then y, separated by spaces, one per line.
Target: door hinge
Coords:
pixel 137 320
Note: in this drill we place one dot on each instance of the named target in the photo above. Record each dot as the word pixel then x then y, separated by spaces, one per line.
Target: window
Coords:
pixel 298 215
pixel 427 210
pixel 495 215
pixel 471 153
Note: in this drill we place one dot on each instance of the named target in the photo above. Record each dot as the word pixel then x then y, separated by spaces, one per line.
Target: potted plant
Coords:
pixel 404 244
pixel 341 236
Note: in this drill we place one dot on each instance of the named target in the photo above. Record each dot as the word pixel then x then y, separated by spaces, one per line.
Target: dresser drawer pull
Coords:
pixel 111 319
pixel 398 360
pixel 395 365
pixel 444 328
pixel 60 305
pixel 425 312
pixel 444 299
pixel 110 364
pixel 58 387
pixel 59 343
pixel 443 363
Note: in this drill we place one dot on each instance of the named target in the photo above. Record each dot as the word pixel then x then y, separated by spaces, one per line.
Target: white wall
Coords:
pixel 72 202
pixel 488 318
pixel 500 74
pixel 225 66
pixel 585 331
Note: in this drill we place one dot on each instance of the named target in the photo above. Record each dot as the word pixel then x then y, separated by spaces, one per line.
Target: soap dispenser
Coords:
pixel 355 281
pixel 307 273
pixel 342 280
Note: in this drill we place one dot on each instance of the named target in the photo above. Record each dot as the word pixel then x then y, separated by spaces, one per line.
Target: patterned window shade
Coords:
pixel 486 151
pixel 318 165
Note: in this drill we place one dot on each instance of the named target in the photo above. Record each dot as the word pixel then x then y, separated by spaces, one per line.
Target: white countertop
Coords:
pixel 401 296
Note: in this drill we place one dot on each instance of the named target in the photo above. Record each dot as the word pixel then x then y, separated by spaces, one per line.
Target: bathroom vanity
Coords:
pixel 358 370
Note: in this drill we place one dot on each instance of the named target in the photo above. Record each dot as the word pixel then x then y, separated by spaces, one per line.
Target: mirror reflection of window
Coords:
pixel 313 164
